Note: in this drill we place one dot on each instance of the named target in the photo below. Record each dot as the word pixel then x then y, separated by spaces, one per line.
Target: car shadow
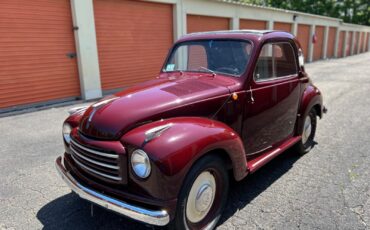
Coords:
pixel 71 212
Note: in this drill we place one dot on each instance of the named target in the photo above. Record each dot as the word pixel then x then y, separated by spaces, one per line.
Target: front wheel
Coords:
pixel 203 195
pixel 308 133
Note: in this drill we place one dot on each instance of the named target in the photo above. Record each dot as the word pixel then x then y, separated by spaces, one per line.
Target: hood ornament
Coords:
pixel 97 106
pixel 78 109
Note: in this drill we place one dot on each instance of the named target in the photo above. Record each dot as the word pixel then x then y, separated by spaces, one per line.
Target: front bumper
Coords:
pixel 159 218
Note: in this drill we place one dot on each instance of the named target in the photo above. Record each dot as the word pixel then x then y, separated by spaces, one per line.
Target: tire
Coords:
pixel 199 186
pixel 308 133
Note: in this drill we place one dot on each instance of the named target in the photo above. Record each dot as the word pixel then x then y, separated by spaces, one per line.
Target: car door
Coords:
pixel 272 98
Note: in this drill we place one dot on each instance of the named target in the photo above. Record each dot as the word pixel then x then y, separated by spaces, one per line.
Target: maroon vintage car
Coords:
pixel 162 152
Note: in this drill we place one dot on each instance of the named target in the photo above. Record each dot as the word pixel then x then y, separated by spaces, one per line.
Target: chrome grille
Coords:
pixel 97 163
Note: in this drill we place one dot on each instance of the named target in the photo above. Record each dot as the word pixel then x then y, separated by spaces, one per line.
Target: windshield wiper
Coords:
pixel 211 71
pixel 173 71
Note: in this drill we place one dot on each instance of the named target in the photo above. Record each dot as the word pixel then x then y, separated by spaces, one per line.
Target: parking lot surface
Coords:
pixel 328 188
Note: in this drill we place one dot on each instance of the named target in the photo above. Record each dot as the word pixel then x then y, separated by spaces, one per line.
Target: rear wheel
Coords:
pixel 203 195
pixel 308 133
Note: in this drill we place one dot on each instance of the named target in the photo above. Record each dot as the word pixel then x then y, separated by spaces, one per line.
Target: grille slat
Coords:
pixel 104 160
pixel 94 171
pixel 96 163
pixel 93 161
pixel 114 156
pixel 97 167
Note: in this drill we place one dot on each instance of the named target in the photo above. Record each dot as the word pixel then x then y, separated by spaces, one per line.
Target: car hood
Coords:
pixel 169 95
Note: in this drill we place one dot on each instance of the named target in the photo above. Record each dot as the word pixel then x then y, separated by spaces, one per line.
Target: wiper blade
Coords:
pixel 173 71
pixel 211 71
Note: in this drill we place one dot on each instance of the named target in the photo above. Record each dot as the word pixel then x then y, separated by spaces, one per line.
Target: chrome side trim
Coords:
pixel 94 151
pixel 94 171
pixel 159 218
pixel 266 157
pixel 92 161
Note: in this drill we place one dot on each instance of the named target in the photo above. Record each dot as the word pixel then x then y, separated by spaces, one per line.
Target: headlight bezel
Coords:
pixel 137 164
pixel 66 132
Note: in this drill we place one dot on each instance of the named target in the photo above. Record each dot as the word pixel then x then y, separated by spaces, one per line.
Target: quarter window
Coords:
pixel 275 60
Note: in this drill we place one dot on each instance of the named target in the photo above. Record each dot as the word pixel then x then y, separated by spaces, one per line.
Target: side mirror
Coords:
pixel 302 77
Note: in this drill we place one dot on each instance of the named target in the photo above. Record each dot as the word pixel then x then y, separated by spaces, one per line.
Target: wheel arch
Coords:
pixel 178 148
pixel 311 99
pixel 224 156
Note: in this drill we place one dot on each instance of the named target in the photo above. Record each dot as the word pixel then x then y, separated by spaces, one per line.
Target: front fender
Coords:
pixel 176 149
pixel 311 97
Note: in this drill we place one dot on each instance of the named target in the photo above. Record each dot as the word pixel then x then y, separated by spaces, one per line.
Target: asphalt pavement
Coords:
pixel 328 188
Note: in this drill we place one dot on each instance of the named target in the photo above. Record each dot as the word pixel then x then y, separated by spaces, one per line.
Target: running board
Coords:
pixel 256 163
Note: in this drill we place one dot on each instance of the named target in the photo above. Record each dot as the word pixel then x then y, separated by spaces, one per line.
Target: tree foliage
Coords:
pixel 351 11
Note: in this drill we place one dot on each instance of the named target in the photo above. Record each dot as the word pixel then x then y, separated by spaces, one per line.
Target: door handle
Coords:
pixel 304 80
pixel 71 55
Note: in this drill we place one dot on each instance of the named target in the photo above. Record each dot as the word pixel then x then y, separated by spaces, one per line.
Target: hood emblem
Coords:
pixel 155 132
pixel 97 106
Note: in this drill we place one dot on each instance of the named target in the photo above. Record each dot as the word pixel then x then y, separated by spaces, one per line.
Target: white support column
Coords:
pixel 295 29
pixel 270 24
pixel 353 43
pixel 235 23
pixel 345 44
pixel 368 42
pixel 179 23
pixel 310 44
pixel 325 45
pixel 336 43
pixel 184 20
pixel 87 50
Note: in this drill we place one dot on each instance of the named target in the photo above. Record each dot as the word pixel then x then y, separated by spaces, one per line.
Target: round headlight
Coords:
pixel 67 128
pixel 140 163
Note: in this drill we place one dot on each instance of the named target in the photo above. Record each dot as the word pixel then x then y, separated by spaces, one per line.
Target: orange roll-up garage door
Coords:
pixel 36 37
pixel 287 27
pixel 133 40
pixel 317 52
pixel 303 36
pixel 331 42
pixel 252 24
pixel 342 34
pixel 197 23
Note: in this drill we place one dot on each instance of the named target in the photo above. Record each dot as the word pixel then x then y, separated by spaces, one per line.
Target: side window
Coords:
pixel 275 60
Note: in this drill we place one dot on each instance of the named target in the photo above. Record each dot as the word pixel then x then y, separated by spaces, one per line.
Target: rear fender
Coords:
pixel 311 97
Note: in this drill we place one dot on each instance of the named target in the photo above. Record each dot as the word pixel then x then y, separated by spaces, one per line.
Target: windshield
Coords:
pixel 228 57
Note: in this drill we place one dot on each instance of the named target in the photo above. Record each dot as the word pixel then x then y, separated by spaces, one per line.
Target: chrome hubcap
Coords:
pixel 201 197
pixel 306 129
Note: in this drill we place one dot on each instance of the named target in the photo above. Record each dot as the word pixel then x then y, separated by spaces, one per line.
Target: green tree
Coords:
pixel 352 11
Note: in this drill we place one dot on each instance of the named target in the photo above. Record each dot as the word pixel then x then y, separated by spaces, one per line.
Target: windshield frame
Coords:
pixel 176 45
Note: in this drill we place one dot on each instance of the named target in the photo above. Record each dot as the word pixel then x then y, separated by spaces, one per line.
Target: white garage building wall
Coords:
pixel 86 36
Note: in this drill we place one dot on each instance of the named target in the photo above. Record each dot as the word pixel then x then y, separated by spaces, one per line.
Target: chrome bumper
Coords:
pixel 159 218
